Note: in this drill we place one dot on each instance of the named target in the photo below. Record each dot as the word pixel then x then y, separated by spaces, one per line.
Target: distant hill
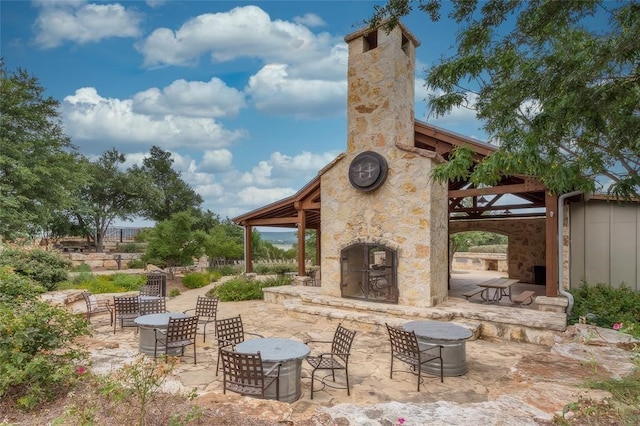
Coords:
pixel 288 237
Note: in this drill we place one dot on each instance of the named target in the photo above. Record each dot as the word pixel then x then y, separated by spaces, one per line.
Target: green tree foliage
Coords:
pixel 224 243
pixel 166 192
pixel 175 243
pixel 555 82
pixel 36 158
pixel 109 193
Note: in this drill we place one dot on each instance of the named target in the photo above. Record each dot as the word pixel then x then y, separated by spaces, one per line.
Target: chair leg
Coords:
pixel 194 351
pixel 346 373
pixel 391 370
pixel 155 349
pixel 218 363
pixel 419 375
pixel 313 372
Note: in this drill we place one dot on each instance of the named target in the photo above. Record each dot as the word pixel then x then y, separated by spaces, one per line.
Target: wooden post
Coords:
pixel 551 244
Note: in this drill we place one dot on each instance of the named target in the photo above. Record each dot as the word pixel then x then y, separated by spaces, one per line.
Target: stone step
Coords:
pixel 375 320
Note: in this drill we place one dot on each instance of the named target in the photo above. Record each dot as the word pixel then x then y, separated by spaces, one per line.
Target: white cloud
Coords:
pixel 81 22
pixel 310 20
pixel 190 98
pixel 155 3
pixel 216 160
pixel 274 92
pixel 90 118
pixel 254 196
pixel 242 32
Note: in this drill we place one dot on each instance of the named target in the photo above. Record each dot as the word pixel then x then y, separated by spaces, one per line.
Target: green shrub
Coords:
pixel 115 283
pixel 137 264
pixel 498 248
pixel 83 267
pixel 227 270
pixel 38 356
pixel 276 268
pixel 46 268
pixel 132 248
pixel 174 292
pixel 242 288
pixel 605 306
pixel 196 280
pixel 14 286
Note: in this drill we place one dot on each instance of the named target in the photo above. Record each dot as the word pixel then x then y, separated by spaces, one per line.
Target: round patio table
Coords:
pixel 290 353
pixel 450 336
pixel 146 324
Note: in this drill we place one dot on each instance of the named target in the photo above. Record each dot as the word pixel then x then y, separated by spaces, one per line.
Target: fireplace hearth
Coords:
pixel 368 272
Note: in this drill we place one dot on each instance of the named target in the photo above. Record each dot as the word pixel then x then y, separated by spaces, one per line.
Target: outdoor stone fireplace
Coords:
pixel 368 271
pixel 384 220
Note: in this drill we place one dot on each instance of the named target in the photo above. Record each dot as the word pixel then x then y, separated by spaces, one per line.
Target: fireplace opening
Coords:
pixel 368 271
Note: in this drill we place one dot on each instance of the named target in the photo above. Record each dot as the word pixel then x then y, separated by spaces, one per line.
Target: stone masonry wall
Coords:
pixel 526 247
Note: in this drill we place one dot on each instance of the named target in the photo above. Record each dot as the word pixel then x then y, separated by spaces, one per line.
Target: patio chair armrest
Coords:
pixel 255 334
pixel 273 367
pixel 317 341
pixel 157 331
pixel 224 343
pixel 188 310
pixel 329 354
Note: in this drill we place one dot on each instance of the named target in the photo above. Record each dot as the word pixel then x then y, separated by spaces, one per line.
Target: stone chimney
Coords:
pixel 383 218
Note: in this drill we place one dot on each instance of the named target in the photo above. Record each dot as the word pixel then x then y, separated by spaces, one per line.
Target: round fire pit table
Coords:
pixel 146 324
pixel 451 337
pixel 290 353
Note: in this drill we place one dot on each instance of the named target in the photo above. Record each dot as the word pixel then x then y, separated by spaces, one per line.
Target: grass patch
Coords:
pixel 96 284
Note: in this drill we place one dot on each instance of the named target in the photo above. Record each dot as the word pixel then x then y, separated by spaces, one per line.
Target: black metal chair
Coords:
pixel 244 374
pixel 404 347
pixel 180 333
pixel 96 306
pixel 152 289
pixel 153 305
pixel 126 309
pixel 311 273
pixel 337 359
pixel 230 332
pixel 207 311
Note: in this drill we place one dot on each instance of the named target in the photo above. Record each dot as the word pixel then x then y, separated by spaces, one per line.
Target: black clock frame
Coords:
pixel 368 171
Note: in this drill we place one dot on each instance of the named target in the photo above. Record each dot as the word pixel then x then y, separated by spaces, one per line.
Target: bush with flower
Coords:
pixel 608 307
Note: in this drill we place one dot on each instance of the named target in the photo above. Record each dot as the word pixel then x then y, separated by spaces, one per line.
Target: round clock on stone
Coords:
pixel 368 171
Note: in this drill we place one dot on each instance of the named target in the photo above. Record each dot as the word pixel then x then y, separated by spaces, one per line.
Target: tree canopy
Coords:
pixel 36 158
pixel 556 84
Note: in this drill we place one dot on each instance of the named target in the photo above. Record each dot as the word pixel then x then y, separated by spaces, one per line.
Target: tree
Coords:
pixel 108 194
pixel 223 243
pixel 36 159
pixel 167 193
pixel 556 89
pixel 174 243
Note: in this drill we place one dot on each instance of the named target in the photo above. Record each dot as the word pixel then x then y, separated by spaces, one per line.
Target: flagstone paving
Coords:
pixel 507 383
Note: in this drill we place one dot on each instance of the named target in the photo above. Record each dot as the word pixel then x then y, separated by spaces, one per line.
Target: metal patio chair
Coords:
pixel 244 374
pixel 180 333
pixel 125 310
pixel 404 347
pixel 337 359
pixel 153 305
pixel 207 311
pixel 230 332
pixel 96 306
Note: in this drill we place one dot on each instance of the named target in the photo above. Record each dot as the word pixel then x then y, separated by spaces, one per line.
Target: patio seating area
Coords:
pixel 495 367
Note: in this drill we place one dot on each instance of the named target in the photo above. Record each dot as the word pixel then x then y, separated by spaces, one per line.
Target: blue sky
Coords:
pixel 249 97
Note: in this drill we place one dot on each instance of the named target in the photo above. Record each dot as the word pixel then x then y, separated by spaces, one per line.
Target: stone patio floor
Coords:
pixel 507 383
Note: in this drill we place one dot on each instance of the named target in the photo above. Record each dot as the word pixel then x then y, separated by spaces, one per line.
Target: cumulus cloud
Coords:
pixel 272 91
pixel 216 160
pixel 246 31
pixel 91 118
pixel 81 22
pixel 310 20
pixel 190 98
pixel 254 196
